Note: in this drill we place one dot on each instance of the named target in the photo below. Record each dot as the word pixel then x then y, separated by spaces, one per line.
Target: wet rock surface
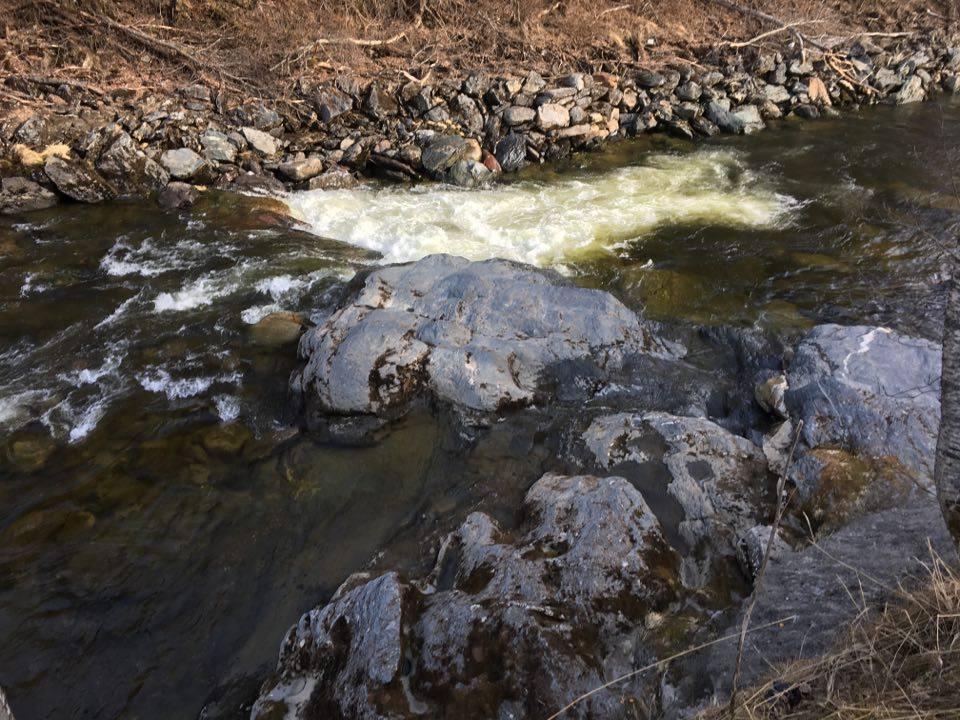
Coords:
pixel 18 195
pixel 815 592
pixel 719 481
pixel 869 390
pixel 482 337
pixel 506 625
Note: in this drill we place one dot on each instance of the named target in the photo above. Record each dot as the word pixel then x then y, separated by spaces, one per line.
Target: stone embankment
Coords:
pixel 463 131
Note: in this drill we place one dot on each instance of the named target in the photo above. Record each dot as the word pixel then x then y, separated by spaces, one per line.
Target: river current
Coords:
pixel 162 524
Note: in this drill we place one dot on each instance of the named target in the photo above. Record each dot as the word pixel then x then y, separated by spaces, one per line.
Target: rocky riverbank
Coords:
pixel 656 541
pixel 91 147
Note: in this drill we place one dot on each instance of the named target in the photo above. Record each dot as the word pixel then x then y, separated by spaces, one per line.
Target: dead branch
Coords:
pixel 767 18
pixel 306 50
pixel 778 516
pixel 57 82
pixel 769 33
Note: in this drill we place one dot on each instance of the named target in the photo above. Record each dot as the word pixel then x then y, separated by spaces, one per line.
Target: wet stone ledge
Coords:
pixel 463 131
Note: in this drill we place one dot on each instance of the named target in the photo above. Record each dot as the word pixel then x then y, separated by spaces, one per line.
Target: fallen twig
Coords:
pixel 777 517
pixel 305 50
pixel 769 33
pixel 613 10
pixel 57 82
pixel 767 18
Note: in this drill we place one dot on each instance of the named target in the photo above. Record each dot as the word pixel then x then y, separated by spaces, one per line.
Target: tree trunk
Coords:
pixel 947 473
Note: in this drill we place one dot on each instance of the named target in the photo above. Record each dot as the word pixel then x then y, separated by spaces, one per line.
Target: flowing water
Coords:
pixel 161 524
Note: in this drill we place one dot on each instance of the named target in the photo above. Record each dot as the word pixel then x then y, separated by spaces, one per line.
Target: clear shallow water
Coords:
pixel 160 523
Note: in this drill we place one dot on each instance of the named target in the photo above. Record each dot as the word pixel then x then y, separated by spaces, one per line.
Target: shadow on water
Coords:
pixel 161 526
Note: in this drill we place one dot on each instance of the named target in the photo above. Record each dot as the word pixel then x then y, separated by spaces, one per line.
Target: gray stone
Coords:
pixel 130 170
pixel 468 113
pixel 217 147
pixel 511 152
pixel 749 116
pixel 517 115
pixel 911 92
pixel 500 627
pixel 335 178
pixel 689 92
pixel 777 93
pixel 869 390
pixel 182 163
pixel 552 116
pixel 724 119
pixel 951 83
pixel 408 333
pixel 264 143
pixel 442 152
pixel 648 79
pixel 556 95
pixel 331 103
pixel 807 111
pixel 379 103
pixel 19 195
pixel 301 169
pixel 467 173
pixel 813 589
pixel 718 480
pixel 78 180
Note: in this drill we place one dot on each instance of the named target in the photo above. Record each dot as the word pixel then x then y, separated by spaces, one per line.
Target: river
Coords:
pixel 161 523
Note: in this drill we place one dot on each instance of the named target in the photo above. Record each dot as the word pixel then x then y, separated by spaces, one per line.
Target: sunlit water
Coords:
pixel 161 523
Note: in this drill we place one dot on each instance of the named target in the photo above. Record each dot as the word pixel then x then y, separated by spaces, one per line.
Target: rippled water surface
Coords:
pixel 161 524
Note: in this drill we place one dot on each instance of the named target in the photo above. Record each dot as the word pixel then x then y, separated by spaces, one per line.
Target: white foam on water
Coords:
pixel 546 223
pixel 119 312
pixel 161 381
pixel 198 293
pixel 228 407
pixel 91 376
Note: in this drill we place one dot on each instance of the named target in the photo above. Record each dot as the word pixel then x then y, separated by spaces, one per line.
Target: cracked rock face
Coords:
pixel 481 336
pixel 869 391
pixel 505 626
pixel 720 481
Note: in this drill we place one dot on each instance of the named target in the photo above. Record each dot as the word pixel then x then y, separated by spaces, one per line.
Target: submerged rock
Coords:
pixel 19 195
pixel 480 336
pixel 501 628
pixel 177 195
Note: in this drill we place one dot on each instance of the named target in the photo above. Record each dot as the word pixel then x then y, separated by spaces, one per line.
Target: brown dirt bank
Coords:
pixel 265 48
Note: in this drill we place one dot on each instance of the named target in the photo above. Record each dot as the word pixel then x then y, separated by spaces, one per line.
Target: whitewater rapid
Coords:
pixel 551 222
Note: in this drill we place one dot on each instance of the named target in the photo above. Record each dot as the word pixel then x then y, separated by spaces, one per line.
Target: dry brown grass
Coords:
pixel 265 45
pixel 901 663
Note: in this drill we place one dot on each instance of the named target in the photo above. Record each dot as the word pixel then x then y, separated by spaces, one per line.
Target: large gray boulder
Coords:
pixel 78 180
pixel 130 169
pixel 480 336
pixel 870 391
pixel 502 628
pixel 719 481
pixel 820 589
